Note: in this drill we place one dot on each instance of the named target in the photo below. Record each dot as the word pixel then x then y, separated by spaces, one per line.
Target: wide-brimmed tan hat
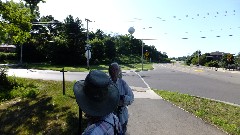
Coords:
pixel 96 95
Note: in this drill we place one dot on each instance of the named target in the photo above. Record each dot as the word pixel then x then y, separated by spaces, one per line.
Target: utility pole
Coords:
pixel 142 46
pixel 198 56
pixel 88 46
pixel 87 20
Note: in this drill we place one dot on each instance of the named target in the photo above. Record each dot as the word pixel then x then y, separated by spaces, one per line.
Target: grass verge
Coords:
pixel 44 66
pixel 44 110
pixel 224 116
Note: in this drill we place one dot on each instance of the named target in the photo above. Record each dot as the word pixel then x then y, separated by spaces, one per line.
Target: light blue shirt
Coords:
pixel 125 90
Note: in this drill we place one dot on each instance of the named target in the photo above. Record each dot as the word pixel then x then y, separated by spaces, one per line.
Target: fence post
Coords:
pixel 63 81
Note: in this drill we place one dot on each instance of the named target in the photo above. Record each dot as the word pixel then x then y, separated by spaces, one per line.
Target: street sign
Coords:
pixel 88 54
pixel 146 54
pixel 87 47
pixel 229 57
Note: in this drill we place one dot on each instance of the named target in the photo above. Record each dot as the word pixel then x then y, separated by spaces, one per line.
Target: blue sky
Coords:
pixel 171 21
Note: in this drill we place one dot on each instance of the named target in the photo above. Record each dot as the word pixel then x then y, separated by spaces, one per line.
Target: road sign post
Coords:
pixel 63 80
pixel 142 50
pixel 88 54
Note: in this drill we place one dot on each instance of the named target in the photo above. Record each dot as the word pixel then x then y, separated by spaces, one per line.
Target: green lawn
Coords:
pixel 39 107
pixel 224 116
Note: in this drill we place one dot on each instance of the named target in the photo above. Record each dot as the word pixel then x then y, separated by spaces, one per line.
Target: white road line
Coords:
pixel 143 80
pixel 149 93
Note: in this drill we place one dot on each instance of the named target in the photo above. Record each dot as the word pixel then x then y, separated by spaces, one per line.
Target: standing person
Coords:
pixel 98 97
pixel 126 94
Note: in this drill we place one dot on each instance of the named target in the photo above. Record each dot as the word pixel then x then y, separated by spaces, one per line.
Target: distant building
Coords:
pixel 7 48
pixel 215 55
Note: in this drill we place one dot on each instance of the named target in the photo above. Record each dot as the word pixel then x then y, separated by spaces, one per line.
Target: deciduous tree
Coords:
pixel 15 22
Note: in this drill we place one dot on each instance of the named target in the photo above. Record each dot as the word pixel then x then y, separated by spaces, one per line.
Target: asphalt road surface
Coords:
pixel 47 74
pixel 223 86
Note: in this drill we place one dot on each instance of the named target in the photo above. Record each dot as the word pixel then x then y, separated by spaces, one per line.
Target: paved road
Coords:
pixel 47 74
pixel 203 83
pixel 149 113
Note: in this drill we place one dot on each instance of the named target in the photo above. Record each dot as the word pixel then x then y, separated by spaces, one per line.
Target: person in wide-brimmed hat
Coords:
pixel 98 98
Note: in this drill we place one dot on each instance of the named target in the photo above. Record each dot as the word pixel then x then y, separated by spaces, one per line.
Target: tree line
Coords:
pixel 64 42
pixel 226 60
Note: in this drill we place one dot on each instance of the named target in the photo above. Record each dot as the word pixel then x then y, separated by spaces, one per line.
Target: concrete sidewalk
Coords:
pixel 151 115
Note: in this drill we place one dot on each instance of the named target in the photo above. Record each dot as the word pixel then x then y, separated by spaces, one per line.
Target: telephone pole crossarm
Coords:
pixel 87 20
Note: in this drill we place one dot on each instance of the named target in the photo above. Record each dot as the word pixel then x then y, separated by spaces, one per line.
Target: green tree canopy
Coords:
pixel 15 22
pixel 110 50
pixel 32 4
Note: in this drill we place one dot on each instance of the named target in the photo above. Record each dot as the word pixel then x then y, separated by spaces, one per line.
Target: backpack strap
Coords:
pixel 116 131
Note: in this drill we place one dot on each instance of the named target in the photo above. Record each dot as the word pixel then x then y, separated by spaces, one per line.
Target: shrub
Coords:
pixel 31 94
pixel 3 77
pixel 212 64
pixel 7 56
pixel 16 87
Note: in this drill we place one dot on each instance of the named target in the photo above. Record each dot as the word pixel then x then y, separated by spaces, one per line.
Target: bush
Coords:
pixel 7 56
pixel 11 87
pixel 212 64
pixel 188 60
pixel 31 94
pixel 5 84
pixel 5 81
pixel 124 59
pixel 3 77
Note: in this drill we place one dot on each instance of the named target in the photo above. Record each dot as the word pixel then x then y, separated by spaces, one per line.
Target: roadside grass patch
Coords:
pixel 39 107
pixel 224 116
pixel 146 66
pixel 134 66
